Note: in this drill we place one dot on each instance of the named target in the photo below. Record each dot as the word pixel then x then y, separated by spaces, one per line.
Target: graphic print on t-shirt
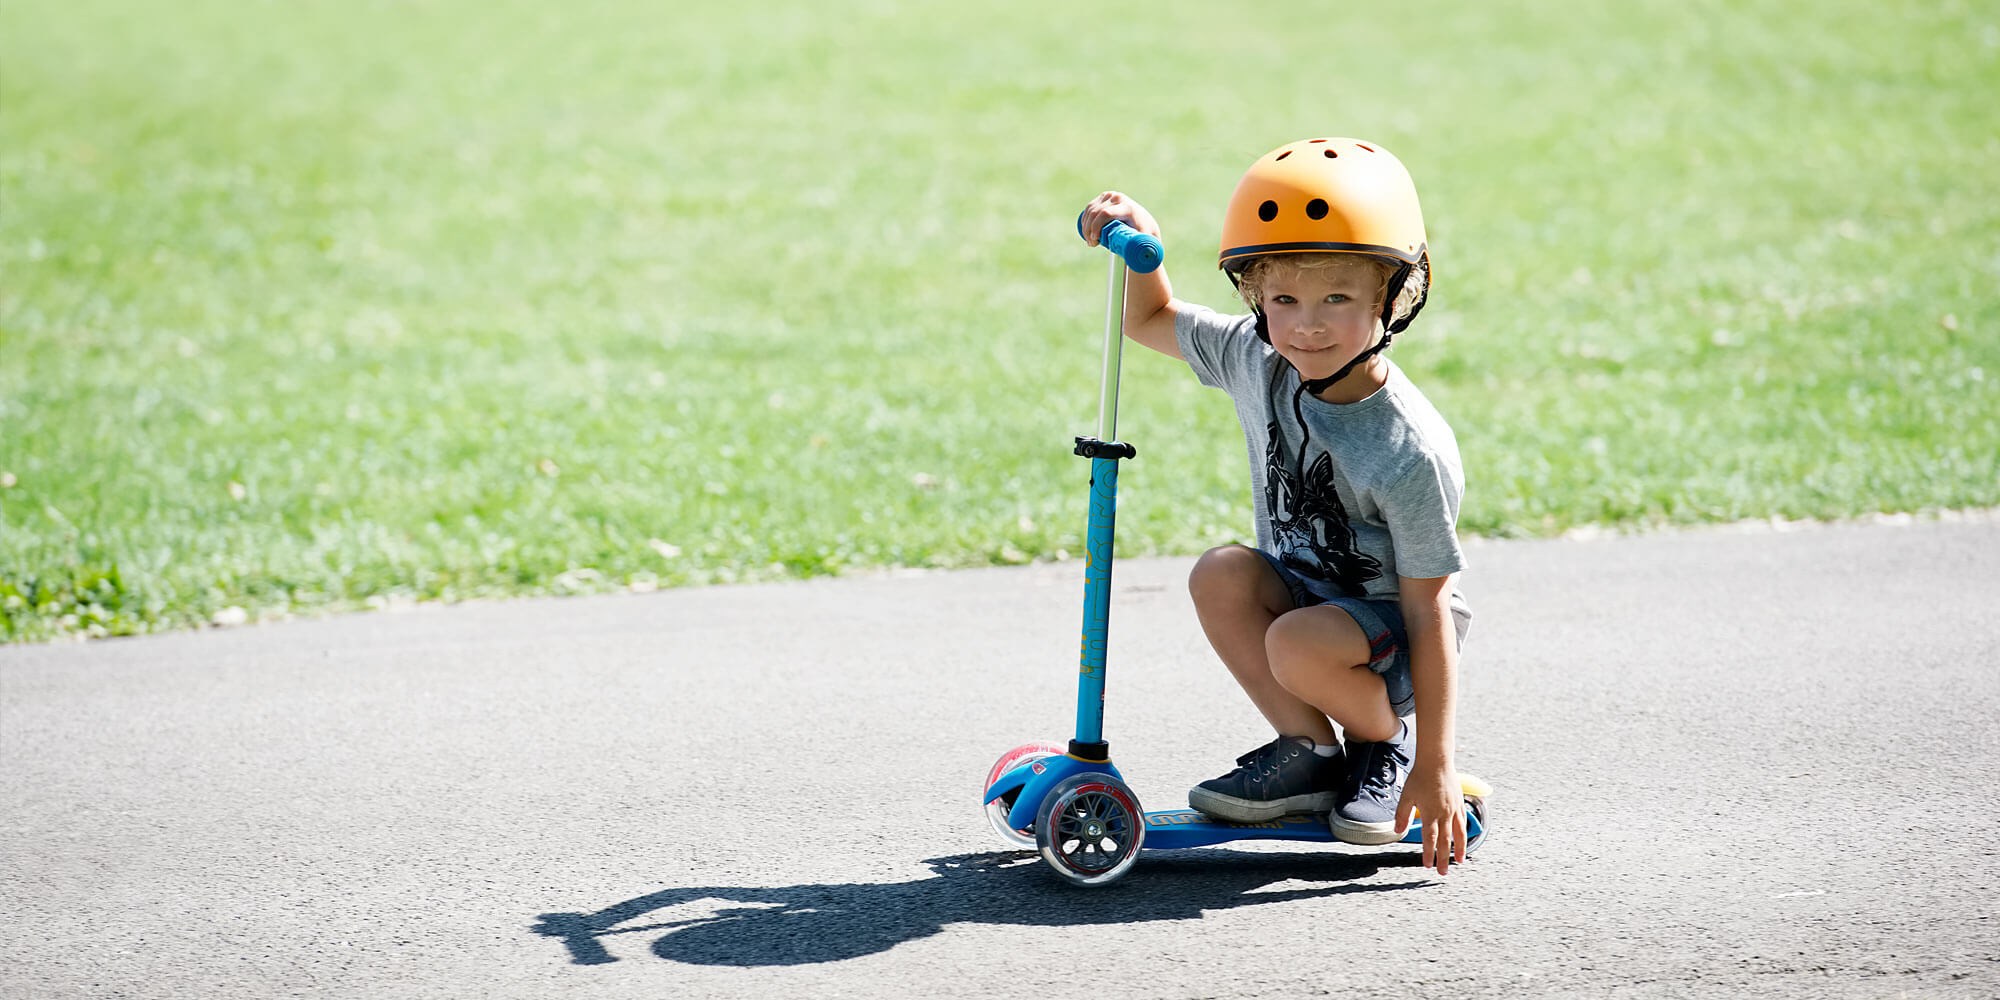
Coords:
pixel 1309 523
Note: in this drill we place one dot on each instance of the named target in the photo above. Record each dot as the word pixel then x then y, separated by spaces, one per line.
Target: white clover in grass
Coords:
pixel 667 550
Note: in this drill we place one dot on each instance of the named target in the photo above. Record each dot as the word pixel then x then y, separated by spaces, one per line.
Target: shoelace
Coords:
pixel 1261 761
pixel 1380 767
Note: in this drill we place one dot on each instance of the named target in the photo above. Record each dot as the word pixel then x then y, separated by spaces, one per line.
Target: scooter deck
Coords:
pixel 1176 828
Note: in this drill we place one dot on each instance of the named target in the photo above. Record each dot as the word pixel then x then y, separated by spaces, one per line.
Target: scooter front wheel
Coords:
pixel 997 810
pixel 1090 829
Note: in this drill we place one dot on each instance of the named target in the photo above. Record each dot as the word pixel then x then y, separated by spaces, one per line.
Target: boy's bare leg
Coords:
pixel 1238 596
pixel 1320 656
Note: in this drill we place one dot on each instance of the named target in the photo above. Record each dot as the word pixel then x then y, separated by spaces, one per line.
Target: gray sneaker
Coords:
pixel 1280 777
pixel 1366 810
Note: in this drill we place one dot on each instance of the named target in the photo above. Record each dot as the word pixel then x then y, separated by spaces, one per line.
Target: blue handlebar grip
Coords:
pixel 1143 254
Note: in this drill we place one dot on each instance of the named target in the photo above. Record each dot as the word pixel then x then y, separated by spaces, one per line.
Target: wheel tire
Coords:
pixel 1090 829
pixel 997 810
pixel 1476 806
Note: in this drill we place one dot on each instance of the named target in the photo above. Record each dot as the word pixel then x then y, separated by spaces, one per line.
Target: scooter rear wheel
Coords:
pixel 1476 806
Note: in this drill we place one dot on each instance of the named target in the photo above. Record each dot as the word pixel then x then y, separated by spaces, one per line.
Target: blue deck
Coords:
pixel 1171 829
pixel 1186 828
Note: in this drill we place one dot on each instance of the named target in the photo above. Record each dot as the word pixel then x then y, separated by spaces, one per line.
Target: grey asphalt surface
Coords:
pixel 1728 763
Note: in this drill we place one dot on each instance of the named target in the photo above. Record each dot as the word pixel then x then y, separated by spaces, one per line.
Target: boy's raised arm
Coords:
pixel 1149 298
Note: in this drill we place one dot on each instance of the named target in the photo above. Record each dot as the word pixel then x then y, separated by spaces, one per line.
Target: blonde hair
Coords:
pixel 1250 283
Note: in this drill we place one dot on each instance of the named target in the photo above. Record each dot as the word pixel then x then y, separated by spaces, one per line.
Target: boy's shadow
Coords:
pixel 809 924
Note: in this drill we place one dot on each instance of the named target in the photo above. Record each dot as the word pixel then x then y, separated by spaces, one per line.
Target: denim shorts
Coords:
pixel 1382 623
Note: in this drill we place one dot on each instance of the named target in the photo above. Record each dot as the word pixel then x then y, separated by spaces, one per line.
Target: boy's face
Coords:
pixel 1320 318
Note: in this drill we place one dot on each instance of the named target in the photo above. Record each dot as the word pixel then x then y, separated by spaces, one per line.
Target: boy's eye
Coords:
pixel 1283 300
pixel 1336 298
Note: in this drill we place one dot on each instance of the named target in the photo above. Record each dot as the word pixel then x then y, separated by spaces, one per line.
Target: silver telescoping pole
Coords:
pixel 1114 343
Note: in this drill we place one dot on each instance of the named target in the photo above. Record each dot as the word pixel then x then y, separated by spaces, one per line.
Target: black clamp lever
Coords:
pixel 1090 447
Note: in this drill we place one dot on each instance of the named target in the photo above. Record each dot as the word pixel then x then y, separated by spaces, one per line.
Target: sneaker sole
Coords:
pixel 1366 834
pixel 1231 809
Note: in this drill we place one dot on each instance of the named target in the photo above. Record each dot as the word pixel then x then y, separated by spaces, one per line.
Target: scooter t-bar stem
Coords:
pixel 1140 253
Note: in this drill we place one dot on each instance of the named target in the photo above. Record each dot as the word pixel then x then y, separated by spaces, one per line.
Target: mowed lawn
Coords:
pixel 308 306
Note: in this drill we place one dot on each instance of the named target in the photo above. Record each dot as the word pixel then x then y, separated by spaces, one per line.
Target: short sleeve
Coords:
pixel 1422 513
pixel 1223 350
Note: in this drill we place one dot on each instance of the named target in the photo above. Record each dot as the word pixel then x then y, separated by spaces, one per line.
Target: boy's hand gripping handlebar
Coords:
pixel 1142 253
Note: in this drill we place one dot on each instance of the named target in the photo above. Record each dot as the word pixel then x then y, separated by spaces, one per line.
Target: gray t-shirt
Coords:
pixel 1349 497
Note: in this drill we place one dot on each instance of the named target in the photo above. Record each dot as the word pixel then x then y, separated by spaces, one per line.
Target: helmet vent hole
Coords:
pixel 1267 211
pixel 1316 208
pixel 1365 146
pixel 1284 154
pixel 1332 155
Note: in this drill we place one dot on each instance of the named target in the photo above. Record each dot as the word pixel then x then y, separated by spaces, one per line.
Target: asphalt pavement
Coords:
pixel 1733 762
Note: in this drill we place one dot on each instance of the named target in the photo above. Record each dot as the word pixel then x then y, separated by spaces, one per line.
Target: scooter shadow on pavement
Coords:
pixel 817 923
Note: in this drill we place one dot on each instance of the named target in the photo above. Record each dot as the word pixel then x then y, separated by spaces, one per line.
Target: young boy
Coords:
pixel 1347 612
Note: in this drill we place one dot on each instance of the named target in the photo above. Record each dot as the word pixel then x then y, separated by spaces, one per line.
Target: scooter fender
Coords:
pixel 1037 779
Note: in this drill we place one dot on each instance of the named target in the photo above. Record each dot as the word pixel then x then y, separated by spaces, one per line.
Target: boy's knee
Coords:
pixel 1312 640
pixel 1226 571
pixel 1289 645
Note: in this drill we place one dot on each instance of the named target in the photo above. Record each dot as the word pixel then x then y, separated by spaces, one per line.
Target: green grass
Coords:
pixel 306 305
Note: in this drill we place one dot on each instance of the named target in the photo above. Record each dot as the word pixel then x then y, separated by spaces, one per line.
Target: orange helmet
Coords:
pixel 1328 196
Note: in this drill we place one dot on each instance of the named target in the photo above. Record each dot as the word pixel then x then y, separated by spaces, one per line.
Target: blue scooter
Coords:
pixel 1070 803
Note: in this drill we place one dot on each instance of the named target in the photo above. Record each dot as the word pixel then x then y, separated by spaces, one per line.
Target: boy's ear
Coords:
pixel 1390 321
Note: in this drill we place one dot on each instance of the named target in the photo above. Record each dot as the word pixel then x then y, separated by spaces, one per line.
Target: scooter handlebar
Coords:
pixel 1142 253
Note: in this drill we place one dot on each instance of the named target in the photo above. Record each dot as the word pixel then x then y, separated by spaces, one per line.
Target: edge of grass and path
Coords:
pixel 314 307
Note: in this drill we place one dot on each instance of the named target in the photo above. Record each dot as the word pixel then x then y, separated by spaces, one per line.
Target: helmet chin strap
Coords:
pixel 1319 385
